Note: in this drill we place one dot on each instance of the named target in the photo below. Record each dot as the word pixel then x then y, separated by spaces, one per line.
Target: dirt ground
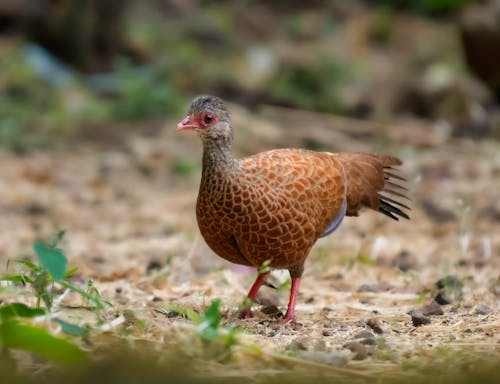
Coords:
pixel 129 212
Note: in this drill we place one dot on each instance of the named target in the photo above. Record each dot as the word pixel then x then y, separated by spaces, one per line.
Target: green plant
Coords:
pixel 209 324
pixel 141 93
pixel 15 334
pixel 311 86
pixel 51 270
pixel 426 7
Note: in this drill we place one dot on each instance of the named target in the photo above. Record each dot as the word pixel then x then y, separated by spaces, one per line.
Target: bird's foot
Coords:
pixel 288 319
pixel 245 313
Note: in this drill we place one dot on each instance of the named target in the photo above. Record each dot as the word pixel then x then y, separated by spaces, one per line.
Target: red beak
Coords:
pixel 187 125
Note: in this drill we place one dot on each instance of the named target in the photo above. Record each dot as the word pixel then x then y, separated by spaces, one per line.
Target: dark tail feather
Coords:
pixel 391 210
pixel 390 206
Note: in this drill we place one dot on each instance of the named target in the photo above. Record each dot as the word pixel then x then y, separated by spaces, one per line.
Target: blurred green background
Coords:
pixel 72 70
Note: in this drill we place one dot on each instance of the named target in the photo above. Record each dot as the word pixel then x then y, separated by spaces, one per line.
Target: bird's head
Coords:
pixel 208 116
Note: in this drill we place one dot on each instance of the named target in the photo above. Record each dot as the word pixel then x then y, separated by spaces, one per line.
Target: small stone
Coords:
pixel 418 318
pixel 376 325
pixel 153 265
pixel 368 288
pixel 35 209
pixel 359 350
pixel 272 311
pixel 482 310
pixel 404 261
pixel 442 298
pixel 364 334
pixel 327 332
pixel 432 309
pixel 156 299
pixel 172 314
pixel 365 337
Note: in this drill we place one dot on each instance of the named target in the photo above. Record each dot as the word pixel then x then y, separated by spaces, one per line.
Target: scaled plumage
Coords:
pixel 273 206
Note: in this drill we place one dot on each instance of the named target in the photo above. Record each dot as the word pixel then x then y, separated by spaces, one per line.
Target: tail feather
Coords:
pixel 370 175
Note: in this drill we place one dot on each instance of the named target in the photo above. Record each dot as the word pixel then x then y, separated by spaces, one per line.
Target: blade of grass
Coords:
pixel 20 309
pixel 16 335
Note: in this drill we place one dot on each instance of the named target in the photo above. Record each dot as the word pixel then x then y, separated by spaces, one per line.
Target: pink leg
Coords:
pixel 261 279
pixel 290 312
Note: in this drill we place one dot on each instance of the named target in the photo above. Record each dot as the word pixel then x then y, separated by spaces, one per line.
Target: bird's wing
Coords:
pixel 306 184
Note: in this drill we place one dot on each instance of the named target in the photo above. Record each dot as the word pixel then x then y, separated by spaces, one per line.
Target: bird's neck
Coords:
pixel 218 155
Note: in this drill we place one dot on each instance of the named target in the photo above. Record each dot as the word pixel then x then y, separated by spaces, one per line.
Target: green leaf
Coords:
pixel 230 338
pixel 52 259
pixel 265 267
pixel 189 313
pixel 423 295
pixel 70 272
pixel 70 329
pixel 58 236
pixel 211 320
pixel 16 335
pixel 365 259
pixel 95 298
pixel 14 278
pixel 20 309
pixel 28 263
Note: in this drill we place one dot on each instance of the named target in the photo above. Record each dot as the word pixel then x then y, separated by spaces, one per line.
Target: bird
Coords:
pixel 270 208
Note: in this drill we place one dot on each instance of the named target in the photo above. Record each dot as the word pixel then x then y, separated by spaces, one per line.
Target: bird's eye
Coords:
pixel 208 118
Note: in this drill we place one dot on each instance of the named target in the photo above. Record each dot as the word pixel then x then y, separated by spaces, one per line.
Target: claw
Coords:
pixel 245 314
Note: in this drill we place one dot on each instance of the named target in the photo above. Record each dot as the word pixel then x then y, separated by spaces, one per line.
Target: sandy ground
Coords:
pixel 129 213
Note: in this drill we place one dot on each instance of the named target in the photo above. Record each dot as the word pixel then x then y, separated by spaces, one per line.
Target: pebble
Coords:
pixel 418 318
pixel 272 310
pixel 432 309
pixel 153 265
pixel 359 350
pixel 172 314
pixel 328 332
pixel 376 325
pixel 368 288
pixel 365 337
pixel 482 310
pixel 442 298
pixel 404 261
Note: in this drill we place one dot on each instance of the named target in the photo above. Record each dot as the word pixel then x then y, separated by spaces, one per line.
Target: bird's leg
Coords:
pixel 290 312
pixel 295 274
pixel 259 281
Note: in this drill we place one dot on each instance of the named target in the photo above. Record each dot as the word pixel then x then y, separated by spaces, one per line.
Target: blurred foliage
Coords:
pixel 313 86
pixel 31 112
pixel 122 364
pixel 212 47
pixel 36 114
pixel 140 93
pixel 425 7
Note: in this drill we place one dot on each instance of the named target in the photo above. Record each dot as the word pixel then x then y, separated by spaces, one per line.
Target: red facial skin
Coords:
pixel 202 121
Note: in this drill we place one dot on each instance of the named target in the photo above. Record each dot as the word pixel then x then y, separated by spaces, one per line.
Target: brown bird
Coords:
pixel 272 207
